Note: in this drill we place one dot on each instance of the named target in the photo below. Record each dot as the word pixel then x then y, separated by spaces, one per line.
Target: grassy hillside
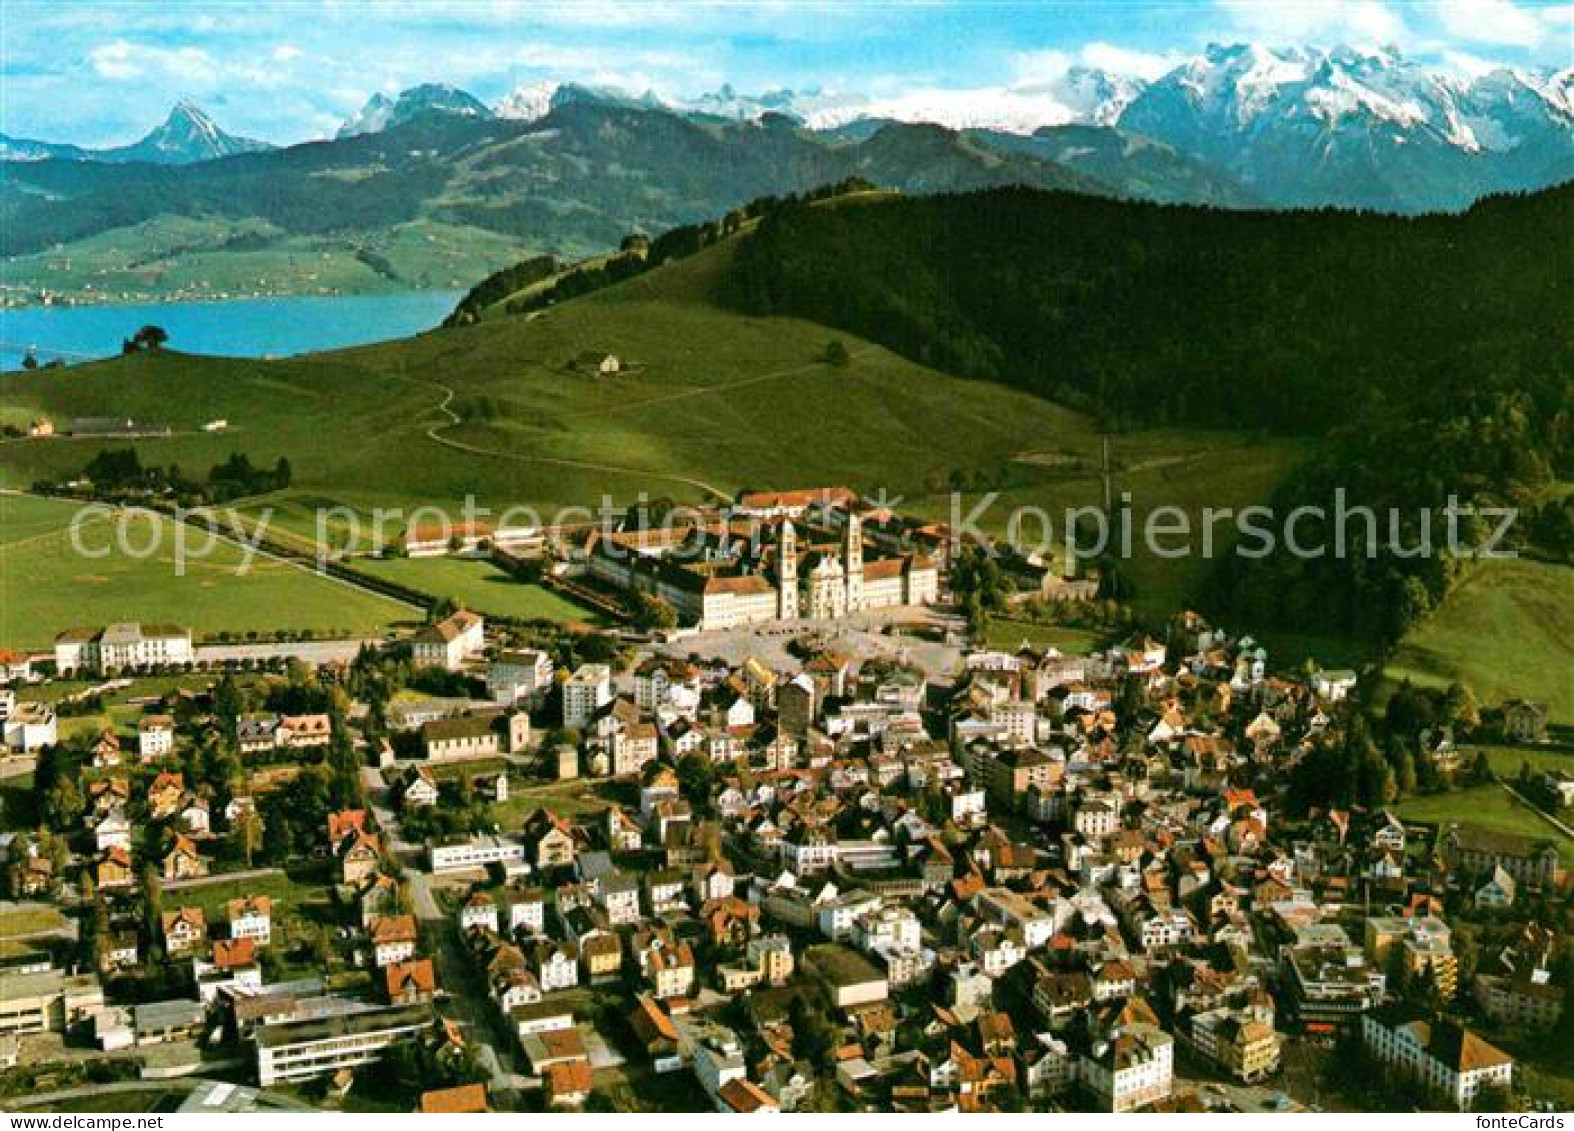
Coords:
pixel 713 399
pixel 1505 631
pixel 710 402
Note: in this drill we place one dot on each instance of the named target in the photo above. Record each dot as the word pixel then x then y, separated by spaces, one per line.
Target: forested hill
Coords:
pixel 1163 314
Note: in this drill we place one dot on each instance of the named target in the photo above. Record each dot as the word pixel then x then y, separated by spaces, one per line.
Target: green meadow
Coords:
pixel 46 586
pixel 477 585
pixel 1485 807
pixel 1505 630
pixel 709 403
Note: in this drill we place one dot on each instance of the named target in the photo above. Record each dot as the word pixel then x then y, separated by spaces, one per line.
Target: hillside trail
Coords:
pixel 444 406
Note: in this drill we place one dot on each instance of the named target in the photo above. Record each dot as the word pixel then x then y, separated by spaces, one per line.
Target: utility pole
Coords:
pixel 1109 483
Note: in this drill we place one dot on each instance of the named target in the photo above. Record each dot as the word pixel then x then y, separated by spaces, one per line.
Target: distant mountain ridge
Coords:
pixel 437 180
pixel 1295 127
pixel 188 135
pixel 381 112
pixel 1238 124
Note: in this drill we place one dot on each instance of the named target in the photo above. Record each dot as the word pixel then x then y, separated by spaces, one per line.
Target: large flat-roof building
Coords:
pixel 47 1002
pixel 320 1046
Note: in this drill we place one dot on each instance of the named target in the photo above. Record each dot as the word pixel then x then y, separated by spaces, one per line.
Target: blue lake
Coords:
pixel 253 327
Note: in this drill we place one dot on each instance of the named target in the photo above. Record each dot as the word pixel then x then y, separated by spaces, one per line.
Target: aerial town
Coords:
pixel 809 847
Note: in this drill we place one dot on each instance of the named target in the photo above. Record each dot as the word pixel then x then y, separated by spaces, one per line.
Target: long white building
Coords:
pixel 124 645
pixel 319 1046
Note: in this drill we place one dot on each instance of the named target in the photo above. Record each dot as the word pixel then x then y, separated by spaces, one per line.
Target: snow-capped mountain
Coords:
pixel 382 112
pixel 1363 128
pixel 1293 126
pixel 1281 127
pixel 1090 96
pixel 528 102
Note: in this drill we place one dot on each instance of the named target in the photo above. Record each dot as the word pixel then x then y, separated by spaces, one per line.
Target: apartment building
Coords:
pixel 320 1046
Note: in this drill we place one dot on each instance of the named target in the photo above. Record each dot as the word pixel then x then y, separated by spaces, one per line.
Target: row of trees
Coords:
pixel 120 472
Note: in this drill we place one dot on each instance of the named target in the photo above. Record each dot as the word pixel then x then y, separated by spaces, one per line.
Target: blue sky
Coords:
pixel 102 73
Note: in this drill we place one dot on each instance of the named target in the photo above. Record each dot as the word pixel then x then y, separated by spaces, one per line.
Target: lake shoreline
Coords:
pixel 277 326
pixel 72 303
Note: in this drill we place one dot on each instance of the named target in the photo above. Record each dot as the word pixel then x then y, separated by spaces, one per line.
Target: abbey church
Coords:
pixel 768 560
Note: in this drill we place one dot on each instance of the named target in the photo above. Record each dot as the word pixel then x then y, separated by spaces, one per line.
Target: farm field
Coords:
pixel 477 585
pixel 45 587
pixel 1505 631
pixel 1486 807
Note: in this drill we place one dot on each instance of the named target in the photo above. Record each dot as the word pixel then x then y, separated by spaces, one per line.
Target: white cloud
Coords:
pixel 286 53
pixel 1491 21
pixel 122 61
pixel 1017 111
pixel 1121 60
pixel 1467 65
pixel 1359 23
pixel 1035 66
pixel 1045 66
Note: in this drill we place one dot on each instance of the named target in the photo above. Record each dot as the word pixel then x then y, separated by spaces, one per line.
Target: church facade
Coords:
pixel 722 575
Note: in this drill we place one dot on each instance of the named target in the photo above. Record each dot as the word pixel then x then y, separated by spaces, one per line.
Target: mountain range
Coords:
pixel 433 187
pixel 1289 127
pixel 186 136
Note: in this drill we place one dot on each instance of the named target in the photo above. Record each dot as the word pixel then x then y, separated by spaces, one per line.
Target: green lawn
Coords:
pixel 288 893
pixel 567 799
pixel 46 586
pixel 478 585
pixel 1003 633
pixel 18 803
pixel 29 921
pixel 1506 760
pixel 1486 807
pixel 1507 630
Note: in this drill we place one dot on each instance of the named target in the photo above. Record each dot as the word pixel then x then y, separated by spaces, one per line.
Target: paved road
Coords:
pixel 311 651
pixel 465 993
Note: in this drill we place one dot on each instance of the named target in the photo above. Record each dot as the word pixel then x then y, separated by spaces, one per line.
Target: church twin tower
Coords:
pixel 835 588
